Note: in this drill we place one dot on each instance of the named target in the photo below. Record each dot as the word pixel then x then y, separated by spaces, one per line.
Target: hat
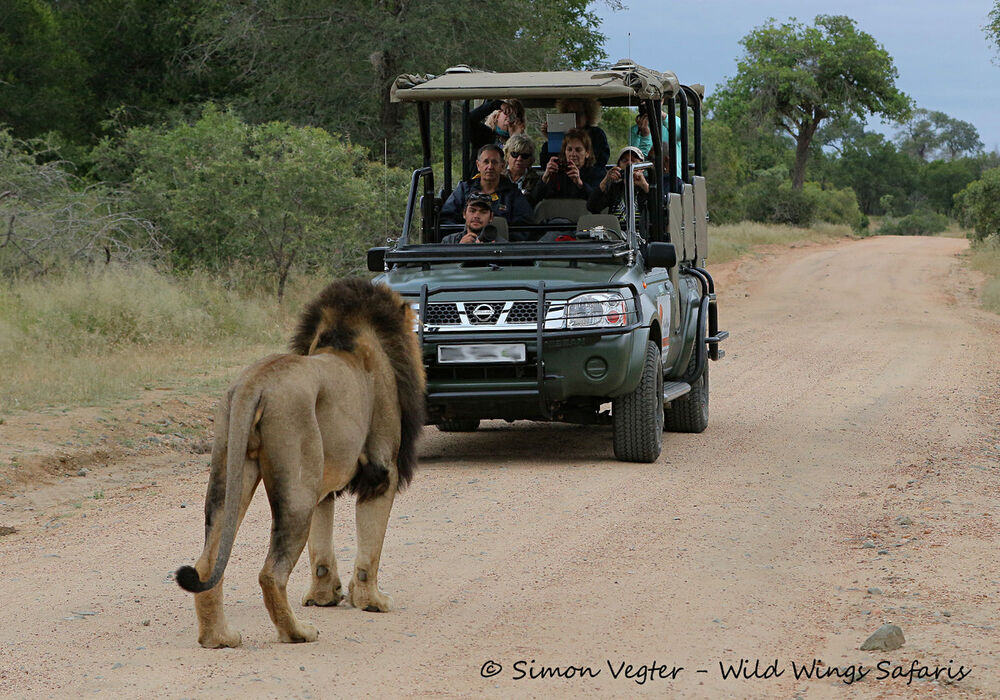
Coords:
pixel 630 149
pixel 480 200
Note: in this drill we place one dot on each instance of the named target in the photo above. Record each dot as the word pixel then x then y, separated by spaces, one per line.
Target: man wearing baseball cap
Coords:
pixel 610 194
pixel 478 214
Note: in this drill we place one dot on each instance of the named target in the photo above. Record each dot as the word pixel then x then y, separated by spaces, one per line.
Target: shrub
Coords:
pixel 921 223
pixel 978 206
pixel 274 195
pixel 781 204
pixel 53 220
pixel 835 206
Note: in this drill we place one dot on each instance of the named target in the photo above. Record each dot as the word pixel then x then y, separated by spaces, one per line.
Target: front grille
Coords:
pixel 525 312
pixel 483 313
pixel 442 314
pixel 457 316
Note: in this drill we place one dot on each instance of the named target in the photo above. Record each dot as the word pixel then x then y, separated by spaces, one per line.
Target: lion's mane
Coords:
pixel 332 321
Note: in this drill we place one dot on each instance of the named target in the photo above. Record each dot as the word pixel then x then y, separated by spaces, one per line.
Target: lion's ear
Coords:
pixel 403 307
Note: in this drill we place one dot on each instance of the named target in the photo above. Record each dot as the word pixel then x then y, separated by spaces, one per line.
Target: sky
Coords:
pixel 938 46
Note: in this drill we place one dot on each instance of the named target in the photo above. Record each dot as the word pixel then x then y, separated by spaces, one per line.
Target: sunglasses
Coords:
pixel 526 156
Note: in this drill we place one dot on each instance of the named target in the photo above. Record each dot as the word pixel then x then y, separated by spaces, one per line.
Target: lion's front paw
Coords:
pixel 303 632
pixel 366 596
pixel 221 640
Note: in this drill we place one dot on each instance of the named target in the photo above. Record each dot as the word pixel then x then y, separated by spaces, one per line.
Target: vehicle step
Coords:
pixel 674 390
pixel 717 338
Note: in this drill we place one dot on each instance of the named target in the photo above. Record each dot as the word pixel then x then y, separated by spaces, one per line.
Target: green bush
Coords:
pixel 768 202
pixel 835 206
pixel 273 195
pixel 978 206
pixel 921 223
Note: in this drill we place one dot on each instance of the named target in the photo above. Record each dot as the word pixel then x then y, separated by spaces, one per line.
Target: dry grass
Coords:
pixel 91 339
pixel 730 241
pixel 88 339
pixel 985 257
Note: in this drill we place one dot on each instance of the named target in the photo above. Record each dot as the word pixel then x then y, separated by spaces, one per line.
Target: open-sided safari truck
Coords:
pixel 582 314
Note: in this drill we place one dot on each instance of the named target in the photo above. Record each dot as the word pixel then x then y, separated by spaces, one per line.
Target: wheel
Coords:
pixel 459 425
pixel 689 413
pixel 637 418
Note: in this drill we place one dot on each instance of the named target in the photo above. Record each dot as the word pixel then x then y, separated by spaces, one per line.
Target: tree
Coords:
pixel 275 195
pixel 134 52
pixel 929 135
pixel 793 78
pixel 993 27
pixel 41 78
pixel 313 62
pixel 51 219
pixel 881 177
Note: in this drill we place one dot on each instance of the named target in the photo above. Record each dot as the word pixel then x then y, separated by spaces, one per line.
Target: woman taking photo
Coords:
pixel 571 174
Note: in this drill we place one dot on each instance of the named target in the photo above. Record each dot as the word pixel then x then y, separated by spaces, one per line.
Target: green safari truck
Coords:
pixel 576 318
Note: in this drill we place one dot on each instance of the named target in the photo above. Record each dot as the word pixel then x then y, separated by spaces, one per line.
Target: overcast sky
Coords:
pixel 938 46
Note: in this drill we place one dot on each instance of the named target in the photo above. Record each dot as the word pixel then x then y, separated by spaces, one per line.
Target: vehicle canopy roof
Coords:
pixel 625 83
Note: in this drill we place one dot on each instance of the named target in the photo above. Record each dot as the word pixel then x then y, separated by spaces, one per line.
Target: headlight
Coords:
pixel 596 310
pixel 415 305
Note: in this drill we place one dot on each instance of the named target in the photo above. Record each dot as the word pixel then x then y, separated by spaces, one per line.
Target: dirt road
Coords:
pixel 849 477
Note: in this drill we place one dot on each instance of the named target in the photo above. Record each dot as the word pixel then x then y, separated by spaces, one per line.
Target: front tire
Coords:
pixel 689 413
pixel 637 417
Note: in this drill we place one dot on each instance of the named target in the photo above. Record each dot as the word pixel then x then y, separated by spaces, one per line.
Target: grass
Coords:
pixel 731 241
pixel 85 339
pixel 985 257
pixel 92 338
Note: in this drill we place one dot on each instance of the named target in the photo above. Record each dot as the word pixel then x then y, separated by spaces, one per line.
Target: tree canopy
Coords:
pixel 331 65
pixel 993 26
pixel 930 134
pixel 794 77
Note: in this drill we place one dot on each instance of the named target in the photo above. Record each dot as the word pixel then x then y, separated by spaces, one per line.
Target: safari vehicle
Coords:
pixel 582 315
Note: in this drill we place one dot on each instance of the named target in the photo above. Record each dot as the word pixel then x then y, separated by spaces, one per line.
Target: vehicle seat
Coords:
pixel 569 209
pixel 608 221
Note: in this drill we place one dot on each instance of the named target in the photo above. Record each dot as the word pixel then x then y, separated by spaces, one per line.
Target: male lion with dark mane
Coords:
pixel 341 413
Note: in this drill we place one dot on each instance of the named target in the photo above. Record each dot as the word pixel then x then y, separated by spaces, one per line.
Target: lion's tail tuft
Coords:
pixel 188 579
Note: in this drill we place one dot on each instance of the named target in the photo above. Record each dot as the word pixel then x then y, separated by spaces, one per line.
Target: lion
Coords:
pixel 341 412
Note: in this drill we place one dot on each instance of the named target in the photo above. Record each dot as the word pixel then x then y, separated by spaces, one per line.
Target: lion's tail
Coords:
pixel 243 409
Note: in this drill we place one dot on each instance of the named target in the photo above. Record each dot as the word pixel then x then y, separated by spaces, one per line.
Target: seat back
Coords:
pixel 608 221
pixel 569 209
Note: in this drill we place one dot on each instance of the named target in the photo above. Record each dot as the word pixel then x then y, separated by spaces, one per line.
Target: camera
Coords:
pixel 563 165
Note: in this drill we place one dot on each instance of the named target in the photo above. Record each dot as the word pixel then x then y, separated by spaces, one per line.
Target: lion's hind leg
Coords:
pixel 292 499
pixel 325 589
pixel 376 490
pixel 213 630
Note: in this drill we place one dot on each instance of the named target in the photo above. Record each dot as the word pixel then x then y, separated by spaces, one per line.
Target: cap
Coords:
pixel 480 200
pixel 633 150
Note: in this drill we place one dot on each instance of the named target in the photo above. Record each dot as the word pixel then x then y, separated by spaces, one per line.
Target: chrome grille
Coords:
pixel 442 314
pixel 525 312
pixel 471 315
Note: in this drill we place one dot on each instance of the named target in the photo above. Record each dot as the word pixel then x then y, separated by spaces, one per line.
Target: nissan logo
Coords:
pixel 483 312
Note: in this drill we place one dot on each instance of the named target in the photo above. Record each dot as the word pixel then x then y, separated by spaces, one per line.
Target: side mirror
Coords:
pixel 376 259
pixel 658 254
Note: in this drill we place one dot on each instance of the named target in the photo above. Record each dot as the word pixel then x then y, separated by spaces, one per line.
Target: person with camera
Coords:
pixel 610 193
pixel 640 136
pixel 588 115
pixel 571 174
pixel 478 215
